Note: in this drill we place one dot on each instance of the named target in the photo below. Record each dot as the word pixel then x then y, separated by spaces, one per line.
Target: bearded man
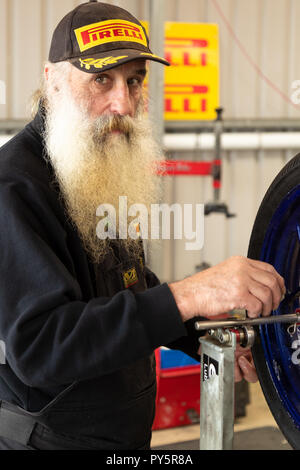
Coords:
pixel 81 316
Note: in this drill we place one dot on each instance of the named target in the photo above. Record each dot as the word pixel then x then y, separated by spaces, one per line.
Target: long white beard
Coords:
pixel 95 166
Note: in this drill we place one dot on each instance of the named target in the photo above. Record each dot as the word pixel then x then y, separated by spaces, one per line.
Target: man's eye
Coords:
pixel 134 81
pixel 102 79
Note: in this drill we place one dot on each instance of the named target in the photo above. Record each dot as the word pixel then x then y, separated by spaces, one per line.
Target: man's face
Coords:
pixel 114 92
pixel 100 144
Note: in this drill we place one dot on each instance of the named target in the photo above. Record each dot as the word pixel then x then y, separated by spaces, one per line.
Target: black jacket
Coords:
pixel 60 320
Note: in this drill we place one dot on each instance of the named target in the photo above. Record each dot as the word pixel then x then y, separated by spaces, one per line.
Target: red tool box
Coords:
pixel 178 389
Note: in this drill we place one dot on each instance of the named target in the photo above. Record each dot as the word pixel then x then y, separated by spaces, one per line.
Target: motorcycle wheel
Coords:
pixel 276 239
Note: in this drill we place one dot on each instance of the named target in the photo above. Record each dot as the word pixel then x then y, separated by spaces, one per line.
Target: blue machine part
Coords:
pixel 281 342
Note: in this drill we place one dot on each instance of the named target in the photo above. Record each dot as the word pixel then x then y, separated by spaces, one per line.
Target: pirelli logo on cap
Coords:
pixel 109 31
pixel 130 277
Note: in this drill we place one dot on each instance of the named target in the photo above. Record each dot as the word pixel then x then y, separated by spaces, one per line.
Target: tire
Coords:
pixel 276 239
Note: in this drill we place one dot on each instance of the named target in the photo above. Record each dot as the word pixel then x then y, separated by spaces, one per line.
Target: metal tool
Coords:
pixel 244 336
pixel 234 322
pixel 217 373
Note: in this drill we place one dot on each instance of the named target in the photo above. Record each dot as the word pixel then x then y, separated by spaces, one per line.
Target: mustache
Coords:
pixel 105 125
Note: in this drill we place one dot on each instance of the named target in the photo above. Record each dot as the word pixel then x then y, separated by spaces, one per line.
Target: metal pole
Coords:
pixel 217 395
pixel 218 154
pixel 156 77
pixel 156 98
pixel 231 323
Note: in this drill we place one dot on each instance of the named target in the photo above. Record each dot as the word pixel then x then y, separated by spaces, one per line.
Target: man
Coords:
pixel 81 315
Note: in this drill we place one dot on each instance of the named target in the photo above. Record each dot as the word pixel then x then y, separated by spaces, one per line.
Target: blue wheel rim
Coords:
pixel 281 342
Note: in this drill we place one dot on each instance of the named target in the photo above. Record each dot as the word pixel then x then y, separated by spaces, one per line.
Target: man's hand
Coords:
pixel 237 283
pixel 244 367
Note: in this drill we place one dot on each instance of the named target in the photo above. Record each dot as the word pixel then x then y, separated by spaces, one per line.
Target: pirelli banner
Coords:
pixel 192 82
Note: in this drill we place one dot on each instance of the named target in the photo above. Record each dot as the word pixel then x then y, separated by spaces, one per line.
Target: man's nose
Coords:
pixel 120 100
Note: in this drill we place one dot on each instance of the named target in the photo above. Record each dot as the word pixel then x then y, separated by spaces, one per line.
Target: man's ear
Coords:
pixel 48 73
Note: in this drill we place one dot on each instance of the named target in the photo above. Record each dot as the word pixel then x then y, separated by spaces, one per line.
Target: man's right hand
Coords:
pixel 237 283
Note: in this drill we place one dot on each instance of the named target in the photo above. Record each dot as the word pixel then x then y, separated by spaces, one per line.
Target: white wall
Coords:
pixel 259 61
pixel 266 29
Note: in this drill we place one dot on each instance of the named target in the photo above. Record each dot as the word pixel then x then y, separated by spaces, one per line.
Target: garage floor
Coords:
pixel 256 431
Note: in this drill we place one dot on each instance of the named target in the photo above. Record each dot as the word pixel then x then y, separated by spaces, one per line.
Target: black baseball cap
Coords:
pixel 97 36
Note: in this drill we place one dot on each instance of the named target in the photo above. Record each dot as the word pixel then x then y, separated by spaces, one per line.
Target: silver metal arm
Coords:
pixel 233 322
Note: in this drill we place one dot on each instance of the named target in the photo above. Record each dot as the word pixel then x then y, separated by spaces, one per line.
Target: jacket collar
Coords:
pixel 38 123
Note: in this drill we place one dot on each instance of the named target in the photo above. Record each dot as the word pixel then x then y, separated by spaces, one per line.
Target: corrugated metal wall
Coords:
pixel 259 61
pixel 267 29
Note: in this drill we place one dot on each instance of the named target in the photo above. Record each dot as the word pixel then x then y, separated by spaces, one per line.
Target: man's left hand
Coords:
pixel 244 366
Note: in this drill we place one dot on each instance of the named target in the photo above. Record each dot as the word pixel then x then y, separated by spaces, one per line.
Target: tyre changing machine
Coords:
pixel 217 373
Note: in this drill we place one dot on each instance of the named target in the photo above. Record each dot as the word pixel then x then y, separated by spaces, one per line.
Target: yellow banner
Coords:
pixel 192 81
